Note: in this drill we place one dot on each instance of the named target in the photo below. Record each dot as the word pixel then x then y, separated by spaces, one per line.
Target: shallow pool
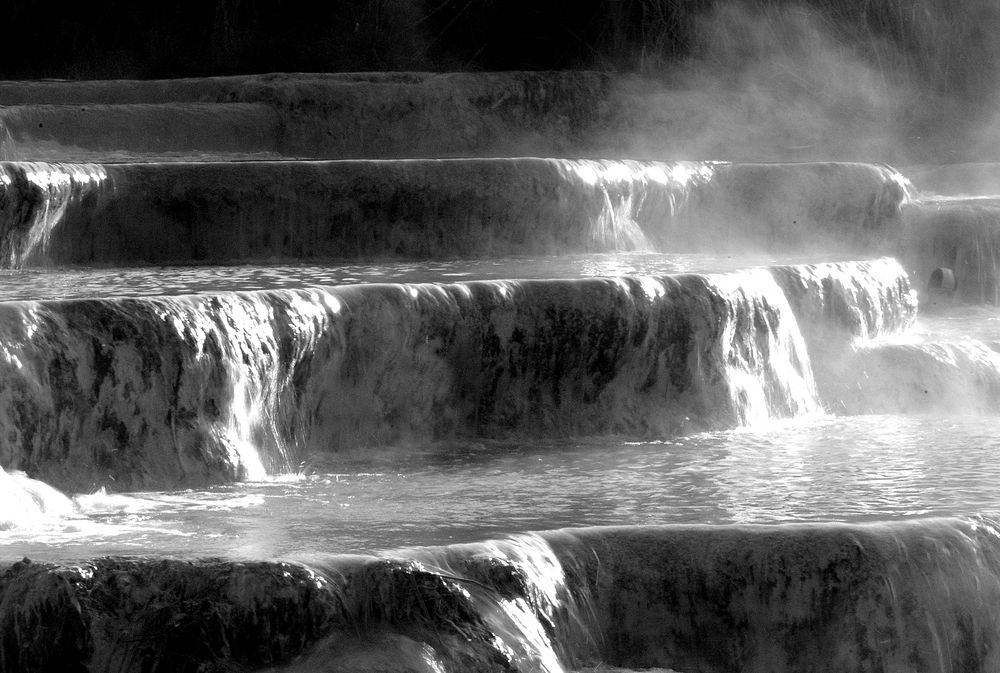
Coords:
pixel 75 283
pixel 823 468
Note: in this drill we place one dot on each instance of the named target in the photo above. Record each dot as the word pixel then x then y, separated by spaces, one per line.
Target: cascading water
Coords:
pixel 35 198
pixel 28 502
pixel 513 414
pixel 215 379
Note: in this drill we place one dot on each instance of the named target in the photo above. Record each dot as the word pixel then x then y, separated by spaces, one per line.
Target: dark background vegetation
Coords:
pixel 841 66
pixel 948 43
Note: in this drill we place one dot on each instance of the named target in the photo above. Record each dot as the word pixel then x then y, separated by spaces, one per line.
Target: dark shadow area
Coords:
pixel 927 39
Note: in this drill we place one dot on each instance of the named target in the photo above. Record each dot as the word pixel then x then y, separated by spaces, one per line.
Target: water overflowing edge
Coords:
pixel 634 596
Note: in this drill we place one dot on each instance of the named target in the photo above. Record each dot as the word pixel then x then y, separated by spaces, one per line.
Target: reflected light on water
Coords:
pixel 73 283
pixel 819 469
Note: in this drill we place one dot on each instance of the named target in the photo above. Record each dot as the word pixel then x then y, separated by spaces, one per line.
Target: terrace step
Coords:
pixel 377 115
pixel 962 179
pixel 212 212
pixel 554 114
pixel 960 235
pixel 153 392
pixel 854 597
pixel 88 132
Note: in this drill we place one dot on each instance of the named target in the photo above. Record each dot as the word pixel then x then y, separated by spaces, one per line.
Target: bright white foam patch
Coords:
pixel 25 502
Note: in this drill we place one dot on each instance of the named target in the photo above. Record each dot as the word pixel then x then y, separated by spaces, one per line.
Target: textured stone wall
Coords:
pixel 218 212
pixel 831 598
pixel 150 392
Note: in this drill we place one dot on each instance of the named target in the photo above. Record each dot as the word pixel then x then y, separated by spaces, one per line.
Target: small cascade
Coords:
pixel 841 303
pixel 162 391
pixel 767 362
pixel 7 150
pixel 35 198
pixel 858 321
pixel 639 196
pixel 500 605
pixel 26 502
pixel 158 212
pixel 827 597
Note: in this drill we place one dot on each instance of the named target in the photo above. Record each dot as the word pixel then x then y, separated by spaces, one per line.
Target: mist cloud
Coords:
pixel 885 81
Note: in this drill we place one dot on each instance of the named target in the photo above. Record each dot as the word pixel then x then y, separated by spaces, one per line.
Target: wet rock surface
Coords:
pixel 799 597
pixel 217 212
pixel 824 597
pixel 133 614
pixel 162 392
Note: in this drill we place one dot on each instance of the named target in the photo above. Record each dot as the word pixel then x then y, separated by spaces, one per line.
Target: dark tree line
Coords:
pixel 949 45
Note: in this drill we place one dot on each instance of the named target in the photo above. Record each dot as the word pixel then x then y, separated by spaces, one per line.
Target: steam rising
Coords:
pixel 880 81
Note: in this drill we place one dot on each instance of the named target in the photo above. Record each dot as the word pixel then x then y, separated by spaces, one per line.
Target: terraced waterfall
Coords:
pixel 321 373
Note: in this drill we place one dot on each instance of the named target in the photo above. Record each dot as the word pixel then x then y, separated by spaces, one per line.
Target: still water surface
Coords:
pixel 809 469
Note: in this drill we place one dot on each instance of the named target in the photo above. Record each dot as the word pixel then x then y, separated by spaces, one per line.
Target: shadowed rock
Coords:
pixel 137 615
pixel 170 391
pixel 908 595
pixel 89 132
pixel 915 595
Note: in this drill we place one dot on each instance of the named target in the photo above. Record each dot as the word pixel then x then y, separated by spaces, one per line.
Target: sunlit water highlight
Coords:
pixel 819 469
pixel 73 283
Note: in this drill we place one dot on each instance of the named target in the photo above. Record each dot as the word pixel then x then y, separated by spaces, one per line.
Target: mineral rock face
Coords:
pixel 214 212
pixel 117 614
pixel 202 389
pixel 828 597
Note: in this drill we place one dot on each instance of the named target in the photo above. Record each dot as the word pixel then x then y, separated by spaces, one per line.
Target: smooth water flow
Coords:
pixel 267 410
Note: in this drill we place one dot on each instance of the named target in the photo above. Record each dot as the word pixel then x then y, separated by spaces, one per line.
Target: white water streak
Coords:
pixel 625 186
pixel 42 192
pixel 767 363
